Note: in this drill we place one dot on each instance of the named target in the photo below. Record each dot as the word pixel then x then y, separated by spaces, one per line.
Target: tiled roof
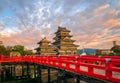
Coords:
pixel 44 40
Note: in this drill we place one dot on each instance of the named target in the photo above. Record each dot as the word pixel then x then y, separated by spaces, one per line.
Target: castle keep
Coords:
pixel 63 43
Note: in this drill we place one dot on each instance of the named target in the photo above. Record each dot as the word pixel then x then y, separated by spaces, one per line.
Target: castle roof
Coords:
pixel 44 40
pixel 69 45
pixel 37 48
pixel 50 46
pixel 62 29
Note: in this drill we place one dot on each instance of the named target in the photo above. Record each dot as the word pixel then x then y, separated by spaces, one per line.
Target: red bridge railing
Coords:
pixel 104 67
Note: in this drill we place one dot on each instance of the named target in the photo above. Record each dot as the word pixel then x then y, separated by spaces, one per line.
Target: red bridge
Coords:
pixel 101 67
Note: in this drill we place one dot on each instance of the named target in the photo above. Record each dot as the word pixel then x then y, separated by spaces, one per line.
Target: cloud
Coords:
pixel 23 38
pixel 91 23
pixel 2 24
pixel 101 9
pixel 112 23
pixel 7 32
pixel 8 17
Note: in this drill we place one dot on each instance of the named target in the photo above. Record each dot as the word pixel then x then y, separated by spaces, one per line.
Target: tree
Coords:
pixel 3 50
pixel 29 52
pixel 8 50
pixel 1 43
pixel 116 49
pixel 98 52
pixel 19 48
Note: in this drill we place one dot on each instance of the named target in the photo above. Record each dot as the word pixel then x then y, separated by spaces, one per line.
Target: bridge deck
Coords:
pixel 106 68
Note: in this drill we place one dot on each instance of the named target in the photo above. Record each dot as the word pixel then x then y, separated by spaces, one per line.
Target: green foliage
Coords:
pixel 3 50
pixel 8 50
pixel 98 53
pixel 104 54
pixel 111 54
pixel 19 48
pixel 29 52
pixel 116 49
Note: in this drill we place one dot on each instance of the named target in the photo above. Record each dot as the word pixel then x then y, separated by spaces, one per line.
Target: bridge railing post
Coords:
pixel 2 57
pixel 90 68
pixel 77 64
pixel 108 71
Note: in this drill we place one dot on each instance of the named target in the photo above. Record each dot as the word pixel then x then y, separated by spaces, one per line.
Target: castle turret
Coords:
pixel 45 48
pixel 63 42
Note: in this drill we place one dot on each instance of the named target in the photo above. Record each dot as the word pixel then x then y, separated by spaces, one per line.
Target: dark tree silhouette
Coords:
pixel 116 49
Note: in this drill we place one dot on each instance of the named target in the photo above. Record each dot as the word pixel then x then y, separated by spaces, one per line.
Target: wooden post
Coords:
pixel 4 74
pixel 39 72
pixel 0 73
pixel 65 80
pixel 14 72
pixel 77 79
pixel 61 77
pixel 11 70
pixel 28 70
pixel 49 77
pixel 22 70
pixel 35 73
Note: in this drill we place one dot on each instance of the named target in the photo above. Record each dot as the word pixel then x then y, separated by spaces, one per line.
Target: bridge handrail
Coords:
pixel 80 64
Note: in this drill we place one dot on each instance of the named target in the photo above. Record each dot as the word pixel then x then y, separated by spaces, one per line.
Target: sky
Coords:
pixel 93 23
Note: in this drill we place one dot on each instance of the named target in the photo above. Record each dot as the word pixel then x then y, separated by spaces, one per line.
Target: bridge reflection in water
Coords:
pixel 60 69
